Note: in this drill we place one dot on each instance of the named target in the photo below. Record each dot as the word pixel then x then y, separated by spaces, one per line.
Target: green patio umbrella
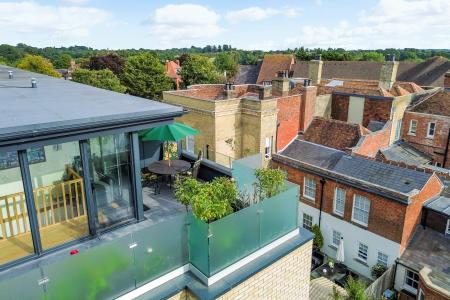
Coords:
pixel 168 133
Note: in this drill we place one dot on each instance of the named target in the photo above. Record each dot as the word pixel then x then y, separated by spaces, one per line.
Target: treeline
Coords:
pixel 61 56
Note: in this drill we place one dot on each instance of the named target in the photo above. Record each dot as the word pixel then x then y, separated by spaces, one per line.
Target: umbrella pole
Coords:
pixel 168 152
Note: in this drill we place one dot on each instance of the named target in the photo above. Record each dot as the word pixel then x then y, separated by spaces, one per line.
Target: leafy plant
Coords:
pixel 38 64
pixel 356 289
pixel 270 182
pixel 186 189
pixel 318 237
pixel 104 79
pixel 198 69
pixel 378 270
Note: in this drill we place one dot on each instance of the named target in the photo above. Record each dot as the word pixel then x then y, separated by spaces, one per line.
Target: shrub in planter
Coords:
pixel 378 270
pixel 186 189
pixel 318 237
pixel 270 182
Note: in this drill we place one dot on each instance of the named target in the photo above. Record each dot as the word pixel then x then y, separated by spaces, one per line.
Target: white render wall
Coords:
pixel 352 236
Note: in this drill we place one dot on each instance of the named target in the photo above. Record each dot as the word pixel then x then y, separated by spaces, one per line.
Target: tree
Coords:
pixel 318 237
pixel 355 290
pixel 10 53
pixel 198 69
pixel 111 61
pixel 373 56
pixel 62 61
pixel 104 79
pixel 269 182
pixel 145 76
pixel 227 62
pixel 38 64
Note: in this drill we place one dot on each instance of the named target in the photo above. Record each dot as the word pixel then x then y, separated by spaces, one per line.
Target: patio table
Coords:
pixel 162 167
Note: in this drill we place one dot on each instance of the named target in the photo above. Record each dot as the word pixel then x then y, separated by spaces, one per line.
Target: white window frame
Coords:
pixel 303 221
pixel 410 131
pixel 332 238
pixel 406 285
pixel 187 148
pixel 447 228
pixel 428 130
pixel 309 188
pixel 398 129
pixel 359 208
pixel 421 295
pixel 362 245
pixel 268 147
pixel 381 261
pixel 340 213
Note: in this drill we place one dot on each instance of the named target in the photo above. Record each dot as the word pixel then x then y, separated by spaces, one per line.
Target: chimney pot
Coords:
pixel 33 83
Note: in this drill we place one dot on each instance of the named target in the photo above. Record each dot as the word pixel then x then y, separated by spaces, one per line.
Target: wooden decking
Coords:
pixel 56 234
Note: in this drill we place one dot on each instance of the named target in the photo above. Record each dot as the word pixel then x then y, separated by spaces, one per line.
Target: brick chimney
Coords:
pixel 307 106
pixel 281 84
pixel 447 80
pixel 264 92
pixel 229 91
pixel 388 73
pixel 315 69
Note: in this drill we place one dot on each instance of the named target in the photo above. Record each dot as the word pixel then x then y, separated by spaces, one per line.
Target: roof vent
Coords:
pixel 318 57
pixel 407 182
pixel 33 83
pixel 389 57
pixel 11 75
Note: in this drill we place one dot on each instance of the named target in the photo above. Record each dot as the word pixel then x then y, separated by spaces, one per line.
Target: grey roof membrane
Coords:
pixel 440 204
pixel 382 175
pixel 57 103
pixel 404 152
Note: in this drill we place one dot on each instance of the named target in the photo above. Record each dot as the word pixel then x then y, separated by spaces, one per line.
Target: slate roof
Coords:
pixel 428 73
pixel 272 64
pixel 375 125
pixel 59 105
pixel 438 103
pixel 248 74
pixel 440 204
pixel 346 135
pixel 432 249
pixel 404 152
pixel 360 171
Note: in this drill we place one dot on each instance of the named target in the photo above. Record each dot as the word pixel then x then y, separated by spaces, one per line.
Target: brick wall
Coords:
pixel 377 110
pixel 435 146
pixel 371 143
pixel 308 106
pixel 287 278
pixel 387 218
pixel 339 107
pixel 288 118
pixel 431 291
pixel 447 80
pixel 436 221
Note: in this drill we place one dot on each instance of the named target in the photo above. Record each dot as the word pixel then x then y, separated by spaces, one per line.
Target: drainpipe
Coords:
pixel 276 137
pixel 395 272
pixel 322 185
pixel 446 150
pixel 424 218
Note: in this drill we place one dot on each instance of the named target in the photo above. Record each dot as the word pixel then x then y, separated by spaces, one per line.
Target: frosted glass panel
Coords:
pixel 198 244
pixel 24 286
pixel 161 248
pixel 233 238
pixel 102 272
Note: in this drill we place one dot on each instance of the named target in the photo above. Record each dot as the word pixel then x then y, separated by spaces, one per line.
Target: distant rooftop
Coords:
pixel 437 103
pixel 58 105
pixel 440 204
pixel 399 183
pixel 404 152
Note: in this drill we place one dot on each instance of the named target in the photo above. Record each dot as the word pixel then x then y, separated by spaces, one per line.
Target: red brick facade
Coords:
pixel 308 106
pixel 371 143
pixel 288 119
pixel 339 107
pixel 434 146
pixel 387 218
pixel 430 293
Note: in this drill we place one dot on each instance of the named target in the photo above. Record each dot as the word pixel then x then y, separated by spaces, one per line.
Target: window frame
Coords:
pixel 421 295
pixel 353 210
pixel 305 188
pixel 430 136
pixel 382 262
pixel 332 238
pixel 303 221
pixel 359 252
pixel 335 201
pixel 410 132
pixel 268 147
pixel 406 285
pixel 447 228
pixel 398 129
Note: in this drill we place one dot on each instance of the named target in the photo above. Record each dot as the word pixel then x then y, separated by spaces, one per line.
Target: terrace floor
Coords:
pixel 162 206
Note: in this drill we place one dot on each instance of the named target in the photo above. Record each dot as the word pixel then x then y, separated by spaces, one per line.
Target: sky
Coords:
pixel 263 25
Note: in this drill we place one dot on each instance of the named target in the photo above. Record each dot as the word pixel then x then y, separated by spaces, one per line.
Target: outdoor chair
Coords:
pixel 151 180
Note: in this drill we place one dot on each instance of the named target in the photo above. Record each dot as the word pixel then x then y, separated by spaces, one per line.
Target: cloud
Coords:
pixel 390 23
pixel 62 22
pixel 77 1
pixel 182 23
pixel 256 13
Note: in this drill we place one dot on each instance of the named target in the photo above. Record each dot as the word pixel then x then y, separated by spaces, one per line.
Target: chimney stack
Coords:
pixel 315 69
pixel 388 73
pixel 264 92
pixel 33 83
pixel 281 84
pixel 229 91
pixel 10 75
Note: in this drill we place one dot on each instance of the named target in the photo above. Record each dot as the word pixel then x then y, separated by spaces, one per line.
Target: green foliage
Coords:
pixel 104 79
pixel 373 56
pixel 378 270
pixel 38 64
pixel 186 189
pixel 356 290
pixel 11 54
pixel 227 62
pixel 62 61
pixel 144 76
pixel 270 182
pixel 199 69
pixel 318 237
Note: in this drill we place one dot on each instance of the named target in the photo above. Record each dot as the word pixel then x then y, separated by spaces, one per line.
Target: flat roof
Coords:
pixel 361 171
pixel 58 105
pixel 440 204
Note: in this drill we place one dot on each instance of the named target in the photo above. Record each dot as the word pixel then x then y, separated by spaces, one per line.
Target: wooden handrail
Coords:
pixel 56 203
